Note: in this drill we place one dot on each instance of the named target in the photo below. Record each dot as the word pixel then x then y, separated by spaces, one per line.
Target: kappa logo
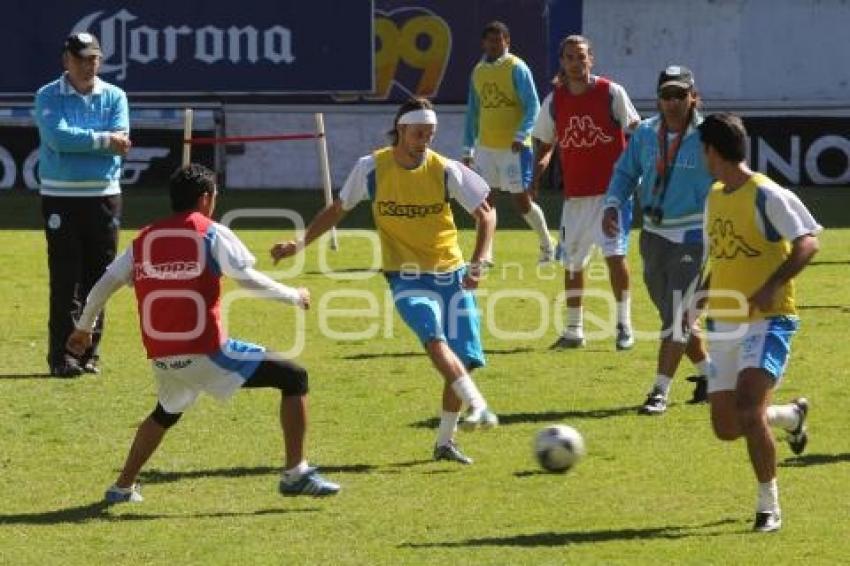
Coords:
pixel 492 97
pixel 582 132
pixel 726 244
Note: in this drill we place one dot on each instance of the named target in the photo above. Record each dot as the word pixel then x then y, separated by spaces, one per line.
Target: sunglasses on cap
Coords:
pixel 673 94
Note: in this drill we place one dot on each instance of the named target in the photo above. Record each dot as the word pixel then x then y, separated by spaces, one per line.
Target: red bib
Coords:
pixel 589 139
pixel 178 286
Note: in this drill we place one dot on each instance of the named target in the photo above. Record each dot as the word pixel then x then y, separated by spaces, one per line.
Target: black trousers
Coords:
pixel 82 239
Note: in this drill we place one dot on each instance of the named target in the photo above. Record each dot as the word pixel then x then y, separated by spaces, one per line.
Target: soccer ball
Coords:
pixel 558 448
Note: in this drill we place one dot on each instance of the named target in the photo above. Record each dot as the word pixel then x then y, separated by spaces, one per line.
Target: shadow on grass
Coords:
pixel 842 308
pixel 44 375
pixel 344 270
pixel 368 356
pixel 581 537
pixel 544 417
pixel 372 356
pixel 831 262
pixel 160 476
pixel 100 511
pixel 815 460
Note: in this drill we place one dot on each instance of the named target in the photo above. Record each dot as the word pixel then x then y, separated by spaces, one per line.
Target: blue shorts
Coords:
pixel 436 307
pixel 735 346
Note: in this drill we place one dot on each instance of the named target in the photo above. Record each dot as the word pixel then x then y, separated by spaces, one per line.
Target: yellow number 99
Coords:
pixel 423 43
pixel 433 58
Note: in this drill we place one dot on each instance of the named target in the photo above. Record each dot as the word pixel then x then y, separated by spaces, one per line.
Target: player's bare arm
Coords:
pixel 803 249
pixel 610 222
pixel 542 155
pixel 485 221
pixel 324 221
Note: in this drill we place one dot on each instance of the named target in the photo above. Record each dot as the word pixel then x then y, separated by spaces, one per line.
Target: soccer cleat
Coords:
pixel 132 494
pixel 569 341
pixel 655 404
pixel 767 521
pixel 483 418
pixel 452 453
pixel 548 254
pixel 625 338
pixel 799 437
pixel 92 366
pixel 66 367
pixel 700 389
pixel 308 483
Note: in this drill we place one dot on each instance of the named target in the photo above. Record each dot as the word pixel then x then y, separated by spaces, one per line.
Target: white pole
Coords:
pixel 325 170
pixel 187 135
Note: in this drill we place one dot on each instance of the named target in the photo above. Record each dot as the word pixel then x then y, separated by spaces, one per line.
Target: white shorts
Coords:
pixel 735 346
pixel 181 379
pixel 581 229
pixel 503 169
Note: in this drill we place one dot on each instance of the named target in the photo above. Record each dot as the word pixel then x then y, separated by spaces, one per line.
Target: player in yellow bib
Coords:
pixel 500 112
pixel 759 237
pixel 409 187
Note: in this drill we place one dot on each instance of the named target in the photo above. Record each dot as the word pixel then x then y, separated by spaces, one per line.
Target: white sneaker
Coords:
pixel 625 338
pixel 482 418
pixel 132 494
pixel 549 253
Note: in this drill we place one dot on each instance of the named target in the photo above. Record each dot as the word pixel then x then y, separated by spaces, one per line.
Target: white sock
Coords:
pixel 783 416
pixel 703 367
pixel 768 499
pixel 448 424
pixel 575 320
pixel 662 383
pixel 535 218
pixel 465 388
pixel 295 472
pixel 624 310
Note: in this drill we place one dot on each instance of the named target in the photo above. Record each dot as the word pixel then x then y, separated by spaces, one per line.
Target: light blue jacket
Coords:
pixel 689 183
pixel 74 159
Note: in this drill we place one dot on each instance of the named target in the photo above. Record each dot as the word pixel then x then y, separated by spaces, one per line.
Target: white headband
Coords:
pixel 419 116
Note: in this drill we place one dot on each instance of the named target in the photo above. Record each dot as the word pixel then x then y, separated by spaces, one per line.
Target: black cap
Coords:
pixel 82 44
pixel 676 75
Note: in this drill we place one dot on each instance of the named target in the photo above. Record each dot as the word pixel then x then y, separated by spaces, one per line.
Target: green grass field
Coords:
pixel 649 490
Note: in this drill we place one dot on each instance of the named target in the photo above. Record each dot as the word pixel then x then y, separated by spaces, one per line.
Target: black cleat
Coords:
pixel 91 366
pixel 799 437
pixel 767 522
pixel 568 343
pixel 700 389
pixel 655 404
pixel 66 367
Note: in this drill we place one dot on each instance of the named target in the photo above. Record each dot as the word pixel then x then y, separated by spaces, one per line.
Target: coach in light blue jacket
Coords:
pixel 84 128
pixel 663 164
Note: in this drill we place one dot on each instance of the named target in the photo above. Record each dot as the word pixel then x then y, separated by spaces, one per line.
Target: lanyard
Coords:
pixel 666 157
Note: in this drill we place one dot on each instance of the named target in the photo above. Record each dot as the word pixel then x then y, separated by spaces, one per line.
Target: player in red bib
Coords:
pixel 586 116
pixel 175 266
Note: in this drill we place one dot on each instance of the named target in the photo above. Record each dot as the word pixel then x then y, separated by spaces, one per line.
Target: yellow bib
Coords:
pixel 741 256
pixel 500 109
pixel 413 216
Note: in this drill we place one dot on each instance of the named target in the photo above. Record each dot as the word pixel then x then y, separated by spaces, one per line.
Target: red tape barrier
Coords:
pixel 237 139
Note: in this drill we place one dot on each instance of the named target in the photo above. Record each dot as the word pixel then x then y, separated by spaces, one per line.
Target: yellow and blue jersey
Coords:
pixel 502 104
pixel 744 250
pixel 412 214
